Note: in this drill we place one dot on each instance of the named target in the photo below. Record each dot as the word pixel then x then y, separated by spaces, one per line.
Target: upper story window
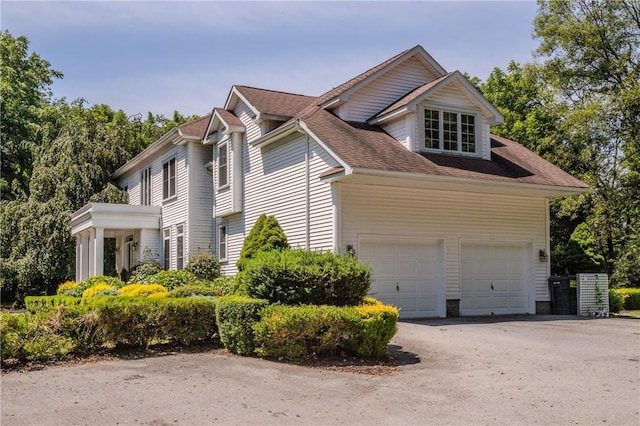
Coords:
pixel 169 179
pixel 145 187
pixel 449 131
pixel 223 165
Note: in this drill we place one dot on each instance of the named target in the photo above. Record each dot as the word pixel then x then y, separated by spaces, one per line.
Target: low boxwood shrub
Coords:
pixel 172 278
pixel 235 316
pixel 143 290
pixel 68 285
pixel 97 290
pixel 141 273
pixel 90 282
pixel 194 290
pixel 379 325
pixel 36 304
pixel 204 266
pixel 298 277
pixel 297 333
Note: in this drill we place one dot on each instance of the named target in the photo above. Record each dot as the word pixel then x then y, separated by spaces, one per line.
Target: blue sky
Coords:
pixel 162 56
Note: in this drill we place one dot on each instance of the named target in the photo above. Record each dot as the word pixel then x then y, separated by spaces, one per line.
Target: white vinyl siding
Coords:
pixel 200 231
pixel 452 216
pixel 388 88
pixel 398 129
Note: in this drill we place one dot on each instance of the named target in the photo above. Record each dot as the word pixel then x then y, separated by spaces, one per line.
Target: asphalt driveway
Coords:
pixel 517 370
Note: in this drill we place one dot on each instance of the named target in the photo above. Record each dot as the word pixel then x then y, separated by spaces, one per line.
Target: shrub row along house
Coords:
pixel 396 166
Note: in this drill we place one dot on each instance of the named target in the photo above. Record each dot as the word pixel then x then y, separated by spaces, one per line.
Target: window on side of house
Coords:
pixel 169 179
pixel 222 242
pixel 145 187
pixel 449 131
pixel 223 165
pixel 180 246
pixel 166 235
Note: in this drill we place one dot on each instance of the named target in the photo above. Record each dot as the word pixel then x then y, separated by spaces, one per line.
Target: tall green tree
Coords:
pixel 25 90
pixel 590 52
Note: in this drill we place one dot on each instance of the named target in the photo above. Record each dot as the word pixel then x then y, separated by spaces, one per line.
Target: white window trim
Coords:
pixel 175 178
pixel 178 235
pixel 166 238
pixel 458 111
pixel 225 144
pixel 226 242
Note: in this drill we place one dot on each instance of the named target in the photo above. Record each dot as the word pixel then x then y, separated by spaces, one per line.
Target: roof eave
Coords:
pixel 172 136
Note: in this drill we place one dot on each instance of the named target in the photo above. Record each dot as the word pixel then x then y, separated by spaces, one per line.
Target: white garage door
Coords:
pixel 405 274
pixel 493 279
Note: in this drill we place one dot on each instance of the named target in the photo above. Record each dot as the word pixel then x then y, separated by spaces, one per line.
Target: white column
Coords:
pixel 84 263
pixel 92 252
pixel 98 260
pixel 78 257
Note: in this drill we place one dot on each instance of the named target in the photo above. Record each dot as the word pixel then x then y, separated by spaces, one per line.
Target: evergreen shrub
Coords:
pixel 194 290
pixel 172 278
pixel 204 266
pixel 297 277
pixel 265 235
pixel 235 316
pixel 141 273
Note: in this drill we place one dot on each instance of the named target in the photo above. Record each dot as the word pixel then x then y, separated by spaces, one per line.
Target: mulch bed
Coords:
pixel 345 364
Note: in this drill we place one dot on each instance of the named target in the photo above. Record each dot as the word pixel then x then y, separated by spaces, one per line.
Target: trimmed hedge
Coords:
pixel 35 304
pixel 616 301
pixel 194 290
pixel 143 290
pixel 172 278
pixel 301 332
pixel 631 298
pixel 235 316
pixel 58 325
pixel 304 277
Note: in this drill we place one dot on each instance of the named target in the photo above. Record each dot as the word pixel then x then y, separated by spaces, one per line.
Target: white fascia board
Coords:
pixel 485 186
pixel 303 126
pixel 236 92
pixel 335 102
pixel 205 138
pixel 172 136
pixel 263 117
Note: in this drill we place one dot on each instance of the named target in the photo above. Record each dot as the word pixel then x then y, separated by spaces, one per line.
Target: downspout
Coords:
pixel 308 193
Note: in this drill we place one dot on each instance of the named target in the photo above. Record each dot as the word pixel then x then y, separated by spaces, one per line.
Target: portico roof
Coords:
pixel 115 216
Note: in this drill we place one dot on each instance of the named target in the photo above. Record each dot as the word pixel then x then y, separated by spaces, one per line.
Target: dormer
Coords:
pixel 446 116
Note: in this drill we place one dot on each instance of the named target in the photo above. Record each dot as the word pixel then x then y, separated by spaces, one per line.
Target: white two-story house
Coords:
pixel 397 166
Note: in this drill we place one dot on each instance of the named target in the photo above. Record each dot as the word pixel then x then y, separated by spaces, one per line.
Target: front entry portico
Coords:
pixel 135 228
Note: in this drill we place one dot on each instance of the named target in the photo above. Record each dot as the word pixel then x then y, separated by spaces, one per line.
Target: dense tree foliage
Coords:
pixel 56 156
pixel 579 107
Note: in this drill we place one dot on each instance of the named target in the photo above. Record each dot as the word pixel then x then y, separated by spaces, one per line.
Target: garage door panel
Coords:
pixel 405 274
pixel 493 278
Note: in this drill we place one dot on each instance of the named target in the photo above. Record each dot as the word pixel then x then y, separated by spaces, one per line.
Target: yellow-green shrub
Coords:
pixel 98 288
pixel 69 285
pixel 142 290
pixel 158 295
pixel 379 325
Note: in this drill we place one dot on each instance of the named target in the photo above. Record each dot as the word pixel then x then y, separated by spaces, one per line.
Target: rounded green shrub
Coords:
pixel 235 316
pixel 143 290
pixel 172 278
pixel 90 282
pixel 296 277
pixel 204 266
pixel 141 273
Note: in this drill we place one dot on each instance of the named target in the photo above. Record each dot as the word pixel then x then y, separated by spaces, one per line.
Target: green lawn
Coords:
pixel 628 314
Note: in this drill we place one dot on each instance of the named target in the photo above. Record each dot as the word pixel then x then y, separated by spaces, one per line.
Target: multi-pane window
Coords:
pixel 222 242
pixel 449 131
pixel 169 179
pixel 223 165
pixel 468 132
pixel 166 234
pixel 179 246
pixel 145 187
pixel 431 128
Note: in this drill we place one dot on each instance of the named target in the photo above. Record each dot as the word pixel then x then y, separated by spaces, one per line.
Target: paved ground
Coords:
pixel 519 370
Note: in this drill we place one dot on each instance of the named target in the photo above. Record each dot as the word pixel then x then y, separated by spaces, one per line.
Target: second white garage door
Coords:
pixel 407 274
pixel 494 278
